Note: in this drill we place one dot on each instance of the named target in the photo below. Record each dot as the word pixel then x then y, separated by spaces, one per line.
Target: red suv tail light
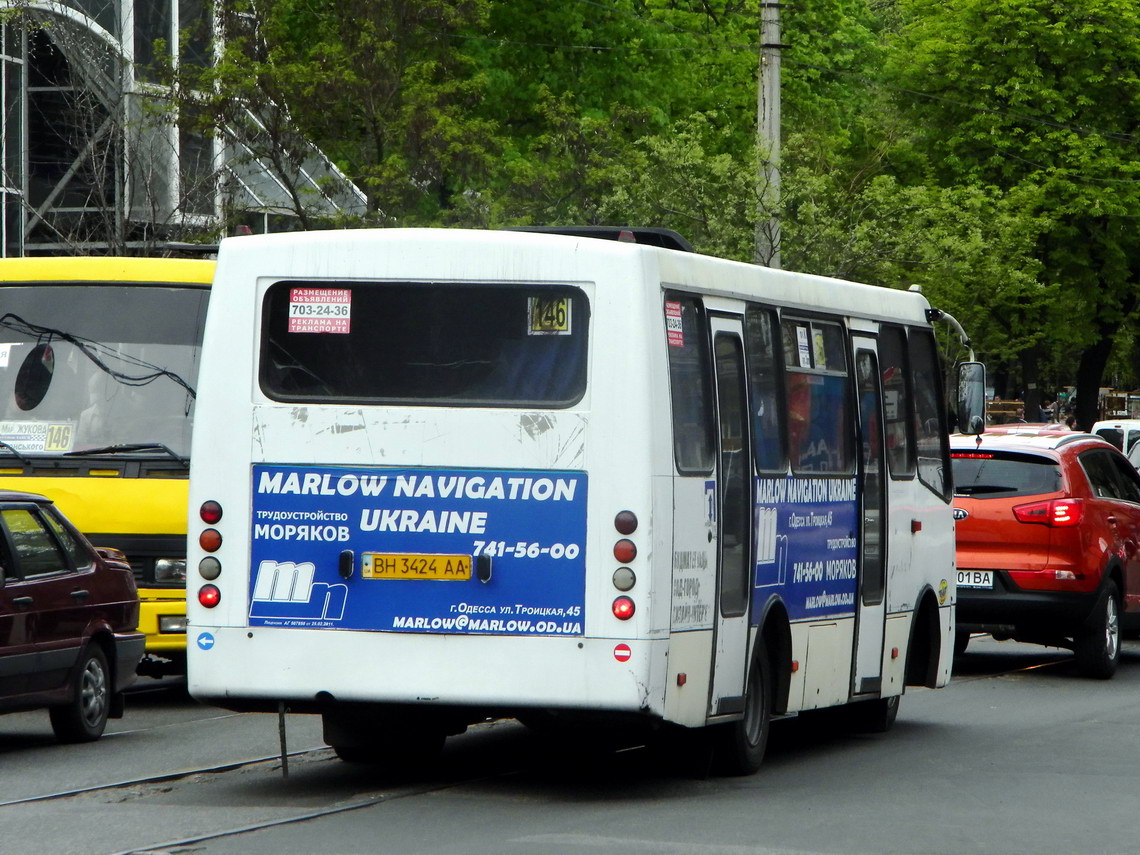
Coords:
pixel 1055 513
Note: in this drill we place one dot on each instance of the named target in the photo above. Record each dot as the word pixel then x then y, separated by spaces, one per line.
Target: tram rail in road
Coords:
pixel 326 787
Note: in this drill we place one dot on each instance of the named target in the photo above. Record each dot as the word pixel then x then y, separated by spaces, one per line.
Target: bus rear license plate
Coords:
pixel 402 565
pixel 975 578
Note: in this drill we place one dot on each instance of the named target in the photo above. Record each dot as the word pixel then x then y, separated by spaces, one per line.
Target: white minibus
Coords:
pixel 444 475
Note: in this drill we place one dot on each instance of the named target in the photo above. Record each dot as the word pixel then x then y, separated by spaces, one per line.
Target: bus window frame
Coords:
pixel 910 469
pixel 850 452
pixel 582 317
pixel 779 384
pixel 707 421
pixel 941 432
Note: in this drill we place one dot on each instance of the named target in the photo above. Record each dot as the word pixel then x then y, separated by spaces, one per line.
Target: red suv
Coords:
pixel 1048 534
pixel 68 618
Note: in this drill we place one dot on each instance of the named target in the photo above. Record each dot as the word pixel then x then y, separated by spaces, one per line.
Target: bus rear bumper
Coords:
pixel 245 670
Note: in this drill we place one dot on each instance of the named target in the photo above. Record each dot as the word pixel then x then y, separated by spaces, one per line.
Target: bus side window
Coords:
pixel 897 405
pixel 689 372
pixel 930 424
pixel 768 438
pixel 818 396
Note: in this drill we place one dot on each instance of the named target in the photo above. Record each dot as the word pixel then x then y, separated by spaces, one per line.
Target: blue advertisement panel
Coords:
pixel 807 537
pixel 418 550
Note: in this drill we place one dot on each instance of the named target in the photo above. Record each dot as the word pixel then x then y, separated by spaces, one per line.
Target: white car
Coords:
pixel 1123 433
pixel 1134 456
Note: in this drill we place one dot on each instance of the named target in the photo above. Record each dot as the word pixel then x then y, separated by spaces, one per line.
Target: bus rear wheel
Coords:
pixel 401 751
pixel 876 716
pixel 400 745
pixel 740 745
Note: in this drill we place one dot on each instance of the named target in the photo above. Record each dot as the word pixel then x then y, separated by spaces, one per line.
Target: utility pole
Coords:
pixel 768 137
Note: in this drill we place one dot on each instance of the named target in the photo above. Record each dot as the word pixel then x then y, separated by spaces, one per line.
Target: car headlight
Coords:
pixel 170 570
pixel 172 623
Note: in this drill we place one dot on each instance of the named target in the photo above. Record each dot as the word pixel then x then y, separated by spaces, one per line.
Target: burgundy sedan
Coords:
pixel 68 620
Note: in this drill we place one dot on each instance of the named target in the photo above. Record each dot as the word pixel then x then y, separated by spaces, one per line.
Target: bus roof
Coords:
pixel 107 269
pixel 423 253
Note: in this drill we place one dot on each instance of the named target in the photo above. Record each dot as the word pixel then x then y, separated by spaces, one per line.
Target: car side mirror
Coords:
pixel 113 557
pixel 972 398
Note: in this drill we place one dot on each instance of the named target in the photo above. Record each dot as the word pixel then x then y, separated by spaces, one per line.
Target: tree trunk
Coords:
pixel 1030 375
pixel 1090 371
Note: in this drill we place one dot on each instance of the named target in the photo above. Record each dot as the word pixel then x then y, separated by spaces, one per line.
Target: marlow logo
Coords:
pixel 287 590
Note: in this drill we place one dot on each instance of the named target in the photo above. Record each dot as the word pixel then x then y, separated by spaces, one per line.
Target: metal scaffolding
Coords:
pixel 94 157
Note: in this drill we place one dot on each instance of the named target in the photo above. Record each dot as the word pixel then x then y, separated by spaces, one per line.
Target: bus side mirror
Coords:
pixel 972 398
pixel 34 377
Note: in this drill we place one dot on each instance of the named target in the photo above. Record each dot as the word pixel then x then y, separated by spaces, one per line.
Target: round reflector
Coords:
pixel 209 567
pixel 625 551
pixel 209 596
pixel 210 540
pixel 626 522
pixel 623 608
pixel 210 512
pixel 624 579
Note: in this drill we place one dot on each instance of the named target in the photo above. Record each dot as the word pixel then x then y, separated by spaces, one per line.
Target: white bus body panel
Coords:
pixel 240 425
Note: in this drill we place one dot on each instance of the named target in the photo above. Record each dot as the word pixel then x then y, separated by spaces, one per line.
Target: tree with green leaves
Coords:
pixel 1039 100
pixel 382 87
pixel 983 150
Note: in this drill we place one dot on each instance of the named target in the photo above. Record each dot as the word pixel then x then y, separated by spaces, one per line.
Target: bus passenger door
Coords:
pixel 871 602
pixel 734 519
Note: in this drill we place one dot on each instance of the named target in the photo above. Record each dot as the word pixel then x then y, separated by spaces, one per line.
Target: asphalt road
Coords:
pixel 1017 755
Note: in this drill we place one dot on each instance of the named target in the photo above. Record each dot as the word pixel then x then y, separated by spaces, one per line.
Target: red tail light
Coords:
pixel 209 596
pixel 625 551
pixel 623 608
pixel 210 540
pixel 1056 513
pixel 626 522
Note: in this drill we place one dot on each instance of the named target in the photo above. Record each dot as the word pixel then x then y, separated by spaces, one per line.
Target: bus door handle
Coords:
pixel 346 564
pixel 483 567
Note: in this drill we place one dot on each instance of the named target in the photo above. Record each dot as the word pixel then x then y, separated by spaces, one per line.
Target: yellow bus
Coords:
pixel 98 366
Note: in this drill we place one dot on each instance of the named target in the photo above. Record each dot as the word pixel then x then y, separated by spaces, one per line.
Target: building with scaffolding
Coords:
pixel 95 159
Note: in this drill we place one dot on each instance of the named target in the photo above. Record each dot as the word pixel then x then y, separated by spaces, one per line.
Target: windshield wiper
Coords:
pixel 26 461
pixel 130 448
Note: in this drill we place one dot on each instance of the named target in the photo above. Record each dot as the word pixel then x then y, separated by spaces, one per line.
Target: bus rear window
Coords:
pixel 421 343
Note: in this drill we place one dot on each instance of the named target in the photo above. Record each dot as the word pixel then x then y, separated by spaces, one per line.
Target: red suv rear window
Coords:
pixel 1003 474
